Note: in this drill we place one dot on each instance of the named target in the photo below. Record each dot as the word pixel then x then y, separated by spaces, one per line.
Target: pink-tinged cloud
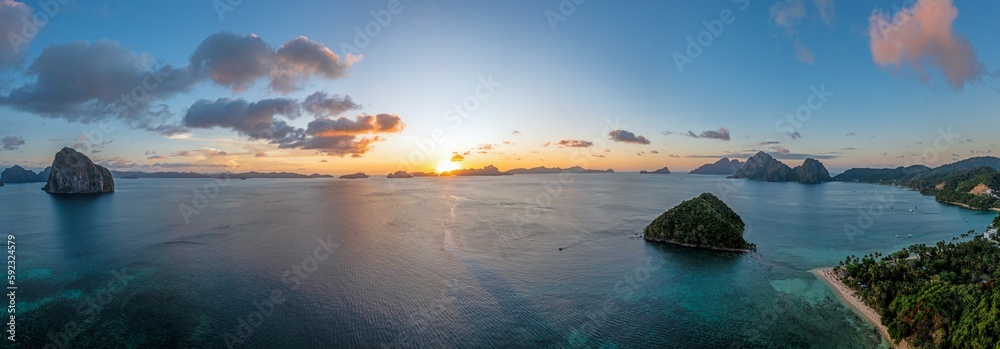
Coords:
pixel 922 36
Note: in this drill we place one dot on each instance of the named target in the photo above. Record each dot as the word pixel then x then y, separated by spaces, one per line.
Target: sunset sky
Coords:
pixel 378 86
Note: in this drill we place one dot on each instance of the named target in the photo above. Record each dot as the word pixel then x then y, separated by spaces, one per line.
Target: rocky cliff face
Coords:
pixel 74 173
pixel 812 171
pixel 764 167
pixel 722 167
pixel 18 174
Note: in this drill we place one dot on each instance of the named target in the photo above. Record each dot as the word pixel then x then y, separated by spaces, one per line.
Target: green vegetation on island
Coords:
pixel 971 182
pixel 703 222
pixel 941 296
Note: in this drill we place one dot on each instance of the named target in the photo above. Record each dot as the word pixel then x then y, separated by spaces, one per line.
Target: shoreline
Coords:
pixel 847 296
pixel 967 206
pixel 720 249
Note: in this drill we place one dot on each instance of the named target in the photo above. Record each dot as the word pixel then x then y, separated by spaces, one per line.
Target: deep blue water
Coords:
pixel 447 262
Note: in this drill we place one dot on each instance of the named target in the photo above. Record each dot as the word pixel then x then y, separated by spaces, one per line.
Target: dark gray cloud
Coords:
pixel 627 137
pixel 793 135
pixel 11 142
pixel 12 18
pixel 253 119
pixel 721 134
pixel 300 59
pixel 238 61
pixel 574 143
pixel 89 82
pixel 258 121
pixel 320 103
pixel 232 60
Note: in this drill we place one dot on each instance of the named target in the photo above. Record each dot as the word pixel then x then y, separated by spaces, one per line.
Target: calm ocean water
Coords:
pixel 447 262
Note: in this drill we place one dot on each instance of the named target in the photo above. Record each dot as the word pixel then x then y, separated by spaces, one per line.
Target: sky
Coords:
pixel 417 85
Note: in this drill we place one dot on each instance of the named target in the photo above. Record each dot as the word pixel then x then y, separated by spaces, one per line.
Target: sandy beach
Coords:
pixel 847 296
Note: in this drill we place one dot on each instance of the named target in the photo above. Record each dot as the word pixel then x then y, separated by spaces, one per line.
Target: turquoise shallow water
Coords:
pixel 447 262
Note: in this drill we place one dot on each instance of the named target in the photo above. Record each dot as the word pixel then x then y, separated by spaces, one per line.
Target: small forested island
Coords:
pixel 941 296
pixel 663 170
pixel 702 222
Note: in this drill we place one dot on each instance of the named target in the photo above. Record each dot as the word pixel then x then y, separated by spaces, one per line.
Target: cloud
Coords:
pixel 156 157
pixel 238 61
pixel 789 15
pixel 574 143
pixel 793 135
pixel 722 134
pixel 922 37
pixel 257 121
pixel 546 144
pixel 457 158
pixel 768 143
pixel 12 16
pixel 851 134
pixel 253 119
pixel 88 82
pixel 320 103
pixel 11 142
pixel 654 151
pixel 826 11
pixel 627 137
pixel 674 156
pixel 516 133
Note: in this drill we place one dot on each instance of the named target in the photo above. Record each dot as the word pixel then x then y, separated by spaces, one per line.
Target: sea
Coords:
pixel 523 261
